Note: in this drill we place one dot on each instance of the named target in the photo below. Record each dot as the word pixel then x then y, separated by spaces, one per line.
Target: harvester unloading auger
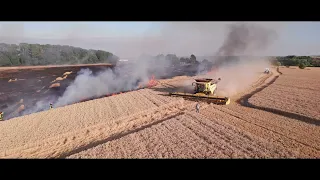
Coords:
pixel 204 89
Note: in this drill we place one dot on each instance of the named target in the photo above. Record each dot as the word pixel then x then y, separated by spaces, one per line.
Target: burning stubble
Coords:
pixel 241 39
pixel 123 78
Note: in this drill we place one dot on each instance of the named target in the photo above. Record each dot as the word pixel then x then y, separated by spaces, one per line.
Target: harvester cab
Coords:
pixel 205 86
pixel 204 89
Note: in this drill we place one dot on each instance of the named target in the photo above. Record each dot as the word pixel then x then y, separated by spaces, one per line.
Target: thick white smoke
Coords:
pixel 123 78
pixel 240 39
pixel 181 39
pixel 239 72
pixel 239 77
pixel 86 85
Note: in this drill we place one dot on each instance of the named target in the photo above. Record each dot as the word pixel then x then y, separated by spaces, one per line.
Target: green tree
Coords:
pixel 193 59
pixel 183 60
pixel 302 65
pixel 172 58
pixel 36 54
pixel 102 55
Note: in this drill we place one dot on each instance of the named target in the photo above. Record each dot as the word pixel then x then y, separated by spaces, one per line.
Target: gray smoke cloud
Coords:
pixel 180 38
pixel 241 38
pixel 245 39
pixel 236 78
pixel 237 71
pixel 177 38
pixel 40 105
pixel 86 85
pixel 242 42
pixel 124 78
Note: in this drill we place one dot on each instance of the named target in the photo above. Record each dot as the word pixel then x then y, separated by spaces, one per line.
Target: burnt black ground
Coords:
pixel 32 80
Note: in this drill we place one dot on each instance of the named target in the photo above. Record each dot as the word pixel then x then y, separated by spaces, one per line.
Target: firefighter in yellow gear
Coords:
pixel 1 116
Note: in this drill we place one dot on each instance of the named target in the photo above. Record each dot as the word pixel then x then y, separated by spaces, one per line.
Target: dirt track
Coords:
pixel 145 124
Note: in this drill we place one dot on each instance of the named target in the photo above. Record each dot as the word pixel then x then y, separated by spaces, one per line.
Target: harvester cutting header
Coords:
pixel 204 89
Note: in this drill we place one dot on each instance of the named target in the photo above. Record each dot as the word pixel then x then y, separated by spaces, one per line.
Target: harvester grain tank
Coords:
pixel 204 89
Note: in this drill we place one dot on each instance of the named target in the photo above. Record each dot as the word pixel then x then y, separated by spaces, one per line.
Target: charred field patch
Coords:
pixel 21 89
pixel 30 85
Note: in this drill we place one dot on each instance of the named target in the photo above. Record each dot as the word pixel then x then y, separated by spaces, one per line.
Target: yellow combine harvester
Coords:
pixel 204 89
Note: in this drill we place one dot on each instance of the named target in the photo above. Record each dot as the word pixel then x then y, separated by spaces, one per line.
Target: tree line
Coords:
pixel 301 61
pixel 176 60
pixel 35 54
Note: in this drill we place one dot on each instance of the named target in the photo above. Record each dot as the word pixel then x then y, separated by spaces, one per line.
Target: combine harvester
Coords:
pixel 204 89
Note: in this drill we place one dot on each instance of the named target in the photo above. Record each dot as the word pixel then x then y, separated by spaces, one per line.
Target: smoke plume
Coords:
pixel 122 78
pixel 237 73
pixel 241 39
pixel 236 70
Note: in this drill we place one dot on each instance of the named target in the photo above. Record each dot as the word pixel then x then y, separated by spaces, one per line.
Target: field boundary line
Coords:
pixel 268 129
pixel 244 101
pixel 258 139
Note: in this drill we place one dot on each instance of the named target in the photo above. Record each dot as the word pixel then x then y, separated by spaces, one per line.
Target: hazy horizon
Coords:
pixel 131 39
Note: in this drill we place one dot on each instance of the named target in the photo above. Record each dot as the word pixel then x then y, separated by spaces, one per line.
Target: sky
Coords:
pixel 131 39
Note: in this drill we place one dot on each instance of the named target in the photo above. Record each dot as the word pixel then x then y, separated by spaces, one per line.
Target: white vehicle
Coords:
pixel 267 71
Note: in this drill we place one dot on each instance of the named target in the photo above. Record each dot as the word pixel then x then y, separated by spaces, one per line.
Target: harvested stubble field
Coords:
pixel 58 124
pixel 189 135
pixel 234 131
pixel 146 124
pixel 295 93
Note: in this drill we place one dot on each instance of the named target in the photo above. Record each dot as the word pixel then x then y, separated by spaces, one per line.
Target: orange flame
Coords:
pixel 152 82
